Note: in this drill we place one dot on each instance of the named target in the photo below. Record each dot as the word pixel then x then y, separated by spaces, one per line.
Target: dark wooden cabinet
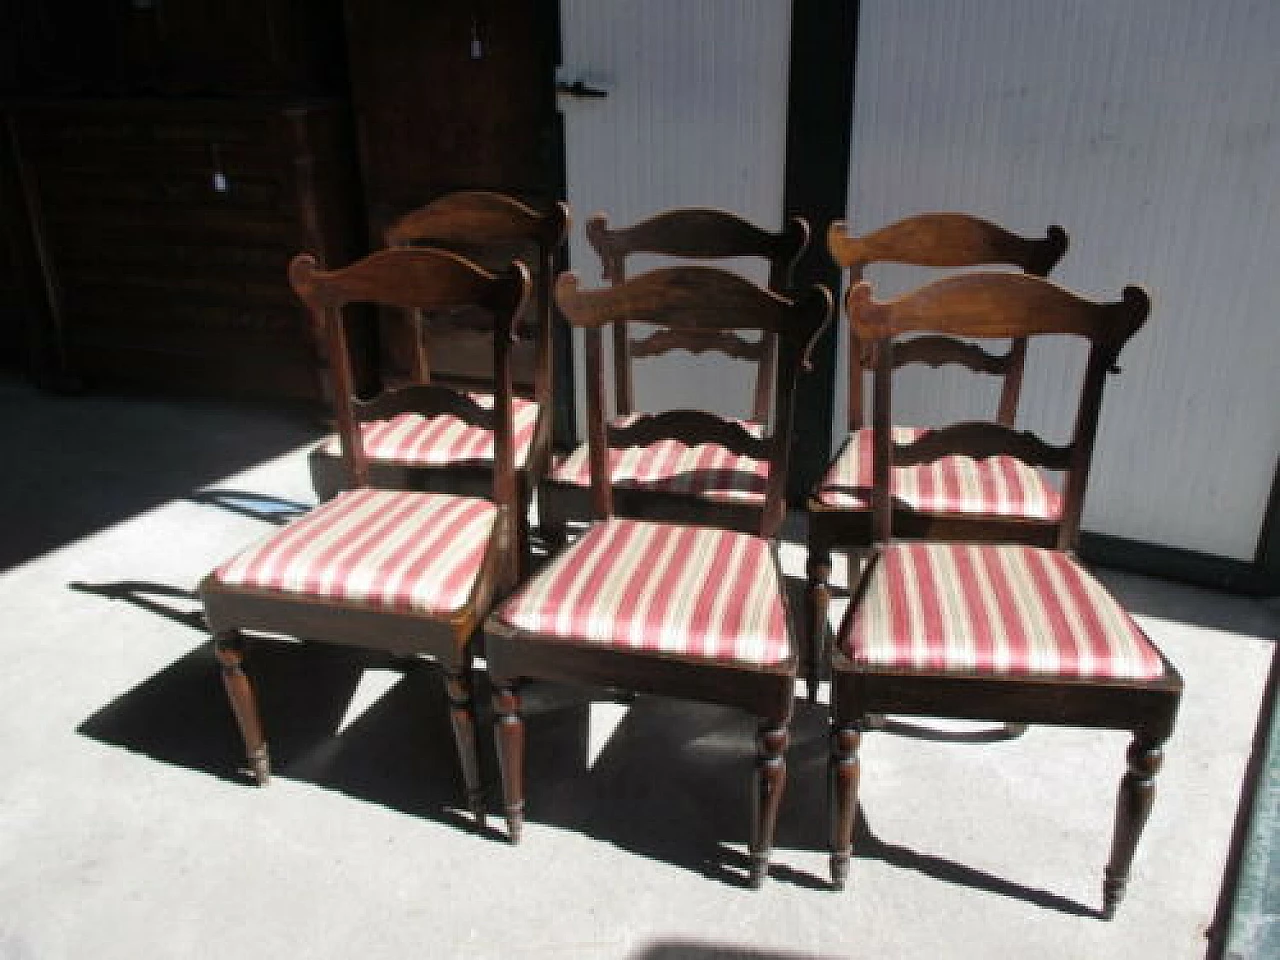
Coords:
pixel 235 48
pixel 165 227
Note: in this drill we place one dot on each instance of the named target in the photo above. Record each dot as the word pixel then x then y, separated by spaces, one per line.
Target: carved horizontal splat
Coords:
pixel 946 240
pixel 997 305
pixel 429 400
pixel 981 440
pixel 700 298
pixel 411 278
pixel 479 217
pixel 720 341
pixel 691 427
pixel 935 351
pixel 697 233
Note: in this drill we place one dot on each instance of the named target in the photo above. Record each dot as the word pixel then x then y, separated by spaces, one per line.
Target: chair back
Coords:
pixel 422 279
pixel 490 229
pixel 704 301
pixel 983 306
pixel 697 234
pixel 945 240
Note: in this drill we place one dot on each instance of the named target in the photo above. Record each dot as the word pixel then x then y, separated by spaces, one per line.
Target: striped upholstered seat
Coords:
pixel 388 549
pixel 688 591
pixel 668 466
pixel 1006 610
pixel 997 486
pixel 411 439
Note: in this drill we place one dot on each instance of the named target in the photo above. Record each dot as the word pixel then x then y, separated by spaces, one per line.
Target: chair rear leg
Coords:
pixel 552 518
pixel 1137 794
pixel 509 730
pixel 229 647
pixel 462 714
pixel 771 778
pixel 843 775
pixel 817 602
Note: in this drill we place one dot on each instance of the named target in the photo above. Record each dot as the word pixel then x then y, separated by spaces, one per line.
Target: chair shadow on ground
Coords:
pixel 256 506
pixel 398 752
pixel 672 782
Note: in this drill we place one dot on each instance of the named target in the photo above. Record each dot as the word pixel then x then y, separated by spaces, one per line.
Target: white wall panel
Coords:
pixel 1148 129
pixel 696 116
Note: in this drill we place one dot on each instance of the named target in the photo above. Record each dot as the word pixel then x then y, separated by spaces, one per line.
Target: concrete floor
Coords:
pixel 125 830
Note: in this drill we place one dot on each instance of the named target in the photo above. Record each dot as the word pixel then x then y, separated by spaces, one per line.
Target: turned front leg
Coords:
pixel 771 778
pixel 843 774
pixel 817 603
pixel 462 714
pixel 1137 793
pixel 229 648
pixel 509 733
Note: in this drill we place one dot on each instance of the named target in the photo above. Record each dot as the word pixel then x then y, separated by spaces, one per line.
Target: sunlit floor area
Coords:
pixel 128 830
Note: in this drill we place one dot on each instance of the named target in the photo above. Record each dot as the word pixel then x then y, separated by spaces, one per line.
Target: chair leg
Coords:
pixel 817 602
pixel 1137 793
pixel 552 523
pixel 843 774
pixel 509 730
pixel 524 553
pixel 462 714
pixel 229 647
pixel 771 778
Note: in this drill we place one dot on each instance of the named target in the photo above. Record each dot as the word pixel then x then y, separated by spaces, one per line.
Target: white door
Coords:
pixel 695 116
pixel 1148 129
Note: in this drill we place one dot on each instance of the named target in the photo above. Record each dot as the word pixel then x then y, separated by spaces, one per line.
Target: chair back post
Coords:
pixel 1128 316
pixel 808 318
pixel 506 327
pixel 943 240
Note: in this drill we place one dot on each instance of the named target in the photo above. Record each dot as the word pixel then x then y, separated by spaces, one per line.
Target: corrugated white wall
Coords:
pixel 696 116
pixel 1148 129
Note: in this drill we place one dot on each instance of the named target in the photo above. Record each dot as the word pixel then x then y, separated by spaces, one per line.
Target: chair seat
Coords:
pixel 996 486
pixel 665 588
pixel 411 439
pixel 387 549
pixel 705 470
pixel 985 609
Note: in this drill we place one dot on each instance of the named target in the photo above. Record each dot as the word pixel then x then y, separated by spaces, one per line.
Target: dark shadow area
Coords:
pixel 1148 596
pixel 141 593
pixel 866 845
pixel 399 752
pixel 255 506
pixel 77 464
pixel 694 950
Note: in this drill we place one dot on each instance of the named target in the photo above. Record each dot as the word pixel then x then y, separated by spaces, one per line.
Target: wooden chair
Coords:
pixel 697 612
pixel 952 498
pixel 429 446
pixel 674 478
pixel 401 571
pixel 993 631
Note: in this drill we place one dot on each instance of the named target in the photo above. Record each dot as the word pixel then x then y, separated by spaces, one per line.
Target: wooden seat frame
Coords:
pixel 490 229
pixel 937 240
pixel 699 298
pixel 991 306
pixel 423 279
pixel 696 234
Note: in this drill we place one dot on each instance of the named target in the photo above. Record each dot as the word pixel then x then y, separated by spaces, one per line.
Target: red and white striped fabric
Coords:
pixel 997 486
pixel 659 587
pixel 444 440
pixel 1006 610
pixel 705 470
pixel 390 549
